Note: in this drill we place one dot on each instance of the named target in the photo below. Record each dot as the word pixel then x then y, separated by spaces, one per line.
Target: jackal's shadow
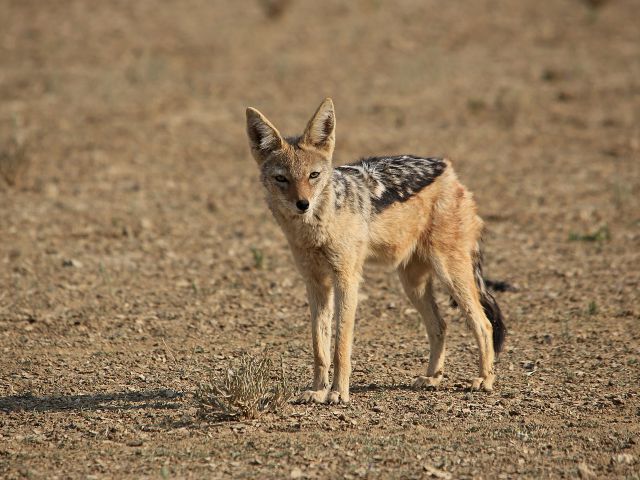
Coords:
pixel 381 387
pixel 161 398
pixel 394 387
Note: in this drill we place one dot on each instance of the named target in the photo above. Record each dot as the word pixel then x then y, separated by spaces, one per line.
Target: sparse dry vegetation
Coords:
pixel 601 234
pixel 249 387
pixel 14 159
pixel 274 8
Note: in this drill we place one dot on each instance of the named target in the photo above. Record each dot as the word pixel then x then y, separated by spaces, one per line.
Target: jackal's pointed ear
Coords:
pixel 264 138
pixel 321 129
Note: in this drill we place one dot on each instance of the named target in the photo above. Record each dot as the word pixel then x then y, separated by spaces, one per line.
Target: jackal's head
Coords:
pixel 295 171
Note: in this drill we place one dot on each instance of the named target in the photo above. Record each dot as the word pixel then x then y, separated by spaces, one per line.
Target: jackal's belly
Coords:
pixel 395 233
pixel 391 254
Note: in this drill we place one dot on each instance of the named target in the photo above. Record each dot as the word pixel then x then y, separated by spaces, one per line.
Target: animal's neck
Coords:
pixel 324 210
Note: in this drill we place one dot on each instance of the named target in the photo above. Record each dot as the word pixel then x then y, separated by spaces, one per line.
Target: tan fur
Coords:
pixel 433 234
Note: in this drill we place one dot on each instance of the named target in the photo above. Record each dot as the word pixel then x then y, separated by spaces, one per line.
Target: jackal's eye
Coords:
pixel 281 179
pixel 314 175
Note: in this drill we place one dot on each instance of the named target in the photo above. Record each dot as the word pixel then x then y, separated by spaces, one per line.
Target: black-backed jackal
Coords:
pixel 405 211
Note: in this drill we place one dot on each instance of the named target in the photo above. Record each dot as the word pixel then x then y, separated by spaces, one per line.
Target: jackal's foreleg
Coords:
pixel 321 336
pixel 320 294
pixel 346 299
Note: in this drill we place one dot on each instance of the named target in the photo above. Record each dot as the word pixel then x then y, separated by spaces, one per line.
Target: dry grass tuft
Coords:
pixel 253 386
pixel 14 161
pixel 595 4
pixel 274 8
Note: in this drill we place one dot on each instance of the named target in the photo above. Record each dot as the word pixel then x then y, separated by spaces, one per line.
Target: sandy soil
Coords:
pixel 127 266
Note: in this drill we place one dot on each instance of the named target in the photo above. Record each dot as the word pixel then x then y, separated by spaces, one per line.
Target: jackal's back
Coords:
pixel 379 182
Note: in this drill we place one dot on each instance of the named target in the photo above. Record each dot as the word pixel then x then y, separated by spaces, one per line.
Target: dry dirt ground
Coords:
pixel 137 255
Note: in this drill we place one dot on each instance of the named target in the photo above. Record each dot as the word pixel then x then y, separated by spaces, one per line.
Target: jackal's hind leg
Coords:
pixel 416 278
pixel 457 274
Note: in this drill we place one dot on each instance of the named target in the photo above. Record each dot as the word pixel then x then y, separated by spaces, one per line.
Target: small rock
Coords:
pixel 624 458
pixel 51 190
pixel 70 262
pixel 585 471
pixel 296 473
pixel 135 443
pixel 528 365
pixel 436 472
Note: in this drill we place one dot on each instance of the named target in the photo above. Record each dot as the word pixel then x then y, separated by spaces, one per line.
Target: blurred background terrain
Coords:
pixel 137 254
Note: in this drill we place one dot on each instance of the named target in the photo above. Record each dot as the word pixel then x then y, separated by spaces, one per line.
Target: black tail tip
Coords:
pixel 493 313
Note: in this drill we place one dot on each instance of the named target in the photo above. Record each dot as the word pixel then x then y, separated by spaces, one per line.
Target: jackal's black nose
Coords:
pixel 302 205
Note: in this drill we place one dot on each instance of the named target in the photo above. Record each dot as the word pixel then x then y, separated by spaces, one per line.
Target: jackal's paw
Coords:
pixel 313 396
pixel 427 382
pixel 483 383
pixel 337 397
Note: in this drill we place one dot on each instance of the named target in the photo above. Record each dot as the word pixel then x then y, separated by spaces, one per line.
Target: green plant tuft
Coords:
pixel 600 235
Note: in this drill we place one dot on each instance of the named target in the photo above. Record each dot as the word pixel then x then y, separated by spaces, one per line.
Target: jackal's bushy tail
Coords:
pixel 489 304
